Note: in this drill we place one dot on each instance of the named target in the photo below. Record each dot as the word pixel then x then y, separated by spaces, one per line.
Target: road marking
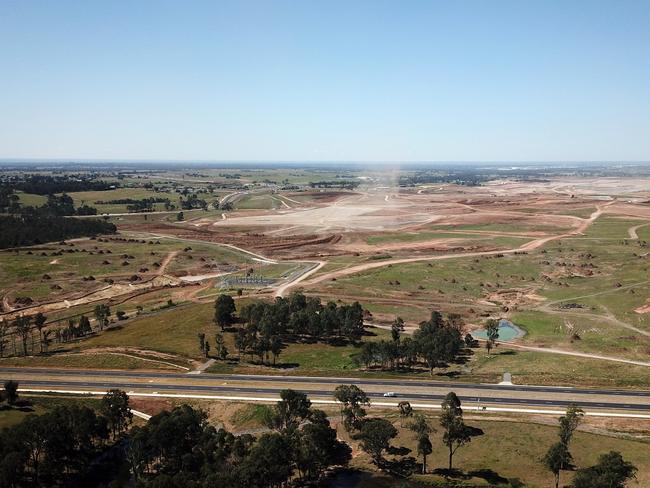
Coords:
pixel 434 406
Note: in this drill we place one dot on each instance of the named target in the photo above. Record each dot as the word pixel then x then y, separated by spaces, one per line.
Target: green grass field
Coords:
pixel 508 450
pixel 22 274
pixel 95 360
pixel 172 331
pixel 40 404
pixel 258 201
pixel 30 199
pixel 611 227
pixel 516 227
pixel 92 197
pixel 463 239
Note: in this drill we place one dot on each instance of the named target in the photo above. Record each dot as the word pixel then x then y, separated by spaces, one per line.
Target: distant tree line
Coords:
pixel 26 230
pixel 56 205
pixel 345 184
pixel 139 205
pixel 465 178
pixel 60 206
pixel 9 201
pixel 49 185
pixel 24 327
pixel 193 201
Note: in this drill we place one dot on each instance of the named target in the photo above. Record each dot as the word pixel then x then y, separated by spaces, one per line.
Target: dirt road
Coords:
pixel 165 262
pixel 563 352
pixel 632 230
pixel 529 246
pixel 287 286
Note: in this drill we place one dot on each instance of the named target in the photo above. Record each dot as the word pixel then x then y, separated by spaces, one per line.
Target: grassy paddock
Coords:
pixel 512 450
pixel 95 360
pixel 40 404
pixel 172 331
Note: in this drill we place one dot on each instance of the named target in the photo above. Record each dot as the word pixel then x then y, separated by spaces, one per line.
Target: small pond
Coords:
pixel 507 331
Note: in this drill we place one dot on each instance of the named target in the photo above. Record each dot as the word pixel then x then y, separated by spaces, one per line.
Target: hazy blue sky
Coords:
pixel 306 80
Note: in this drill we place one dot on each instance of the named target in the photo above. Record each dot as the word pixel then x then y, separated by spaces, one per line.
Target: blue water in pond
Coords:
pixel 507 331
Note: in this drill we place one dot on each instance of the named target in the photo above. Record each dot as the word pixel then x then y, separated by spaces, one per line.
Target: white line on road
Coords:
pixel 469 408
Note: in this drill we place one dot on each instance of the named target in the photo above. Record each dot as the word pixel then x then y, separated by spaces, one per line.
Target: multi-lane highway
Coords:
pixel 318 387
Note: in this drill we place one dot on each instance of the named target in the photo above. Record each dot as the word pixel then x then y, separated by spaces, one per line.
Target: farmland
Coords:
pixel 569 267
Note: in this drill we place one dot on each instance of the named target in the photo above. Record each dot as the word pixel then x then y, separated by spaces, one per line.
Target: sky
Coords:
pixel 325 81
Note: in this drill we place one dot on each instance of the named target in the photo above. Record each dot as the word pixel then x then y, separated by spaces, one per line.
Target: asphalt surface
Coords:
pixel 204 389
pixel 539 396
pixel 330 381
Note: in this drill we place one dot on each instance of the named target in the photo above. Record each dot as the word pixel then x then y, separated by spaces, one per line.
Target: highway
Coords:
pixel 319 387
pixel 324 380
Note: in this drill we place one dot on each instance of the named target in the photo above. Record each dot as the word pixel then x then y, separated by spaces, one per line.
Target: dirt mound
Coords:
pixel 294 242
pixel 511 298
pixel 643 309
pixel 322 196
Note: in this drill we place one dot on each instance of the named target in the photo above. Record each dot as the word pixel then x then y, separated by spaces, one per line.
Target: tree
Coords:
pixel 270 460
pixel 222 350
pixel 23 326
pixel 437 342
pixel 33 434
pixel 422 430
pixel 569 423
pixel 46 341
pixel 218 343
pixel 611 471
pixel 201 337
pixel 180 217
pixel 11 391
pixel 292 408
pixel 84 325
pixel 276 347
pixel 492 332
pixel 424 449
pixel 456 433
pixel 375 435
pixel 39 322
pixel 224 307
pixel 557 458
pixel 4 332
pixel 115 407
pixel 405 410
pixel 420 425
pixel 352 399
pixel 206 349
pixel 319 448
pixel 241 341
pixel 396 328
pixel 102 313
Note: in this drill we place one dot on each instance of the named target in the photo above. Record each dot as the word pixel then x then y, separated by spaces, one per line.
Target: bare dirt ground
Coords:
pixel 165 262
pixel 315 227
pixel 324 224
pixel 529 246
